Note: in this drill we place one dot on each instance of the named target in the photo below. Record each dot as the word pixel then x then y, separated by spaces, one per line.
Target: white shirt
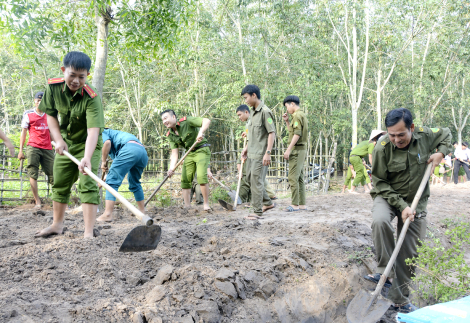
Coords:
pixel 463 154
pixel 448 160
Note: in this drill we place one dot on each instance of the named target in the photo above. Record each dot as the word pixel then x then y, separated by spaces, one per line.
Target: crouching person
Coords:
pixel 129 158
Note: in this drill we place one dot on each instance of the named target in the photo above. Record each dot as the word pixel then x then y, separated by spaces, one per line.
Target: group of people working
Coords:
pixel 72 112
pixel 455 165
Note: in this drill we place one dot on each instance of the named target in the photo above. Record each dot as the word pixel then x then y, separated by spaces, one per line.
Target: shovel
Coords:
pixel 230 192
pixel 142 238
pixel 240 175
pixel 365 307
pixel 166 177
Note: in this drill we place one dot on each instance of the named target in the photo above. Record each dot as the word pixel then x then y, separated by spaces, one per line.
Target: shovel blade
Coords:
pixel 226 205
pixel 232 195
pixel 365 309
pixel 142 238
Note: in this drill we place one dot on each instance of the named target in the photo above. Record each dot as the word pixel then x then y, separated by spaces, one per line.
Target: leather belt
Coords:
pixel 201 146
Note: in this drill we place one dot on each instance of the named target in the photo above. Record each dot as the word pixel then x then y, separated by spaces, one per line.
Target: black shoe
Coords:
pixel 375 279
pixel 407 308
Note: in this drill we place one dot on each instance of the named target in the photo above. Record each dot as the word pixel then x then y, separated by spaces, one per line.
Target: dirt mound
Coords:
pixel 288 267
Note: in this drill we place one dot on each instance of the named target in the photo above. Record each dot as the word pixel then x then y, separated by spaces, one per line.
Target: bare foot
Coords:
pixel 353 192
pixel 266 208
pixel 105 218
pixel 37 206
pixel 253 216
pixel 49 231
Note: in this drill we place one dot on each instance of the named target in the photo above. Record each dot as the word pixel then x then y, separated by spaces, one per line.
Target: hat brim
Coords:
pixel 375 134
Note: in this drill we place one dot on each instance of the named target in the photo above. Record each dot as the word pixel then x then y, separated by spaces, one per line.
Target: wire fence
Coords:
pixel 15 186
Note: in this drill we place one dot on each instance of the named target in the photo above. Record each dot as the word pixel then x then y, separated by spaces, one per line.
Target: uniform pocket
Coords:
pixel 396 167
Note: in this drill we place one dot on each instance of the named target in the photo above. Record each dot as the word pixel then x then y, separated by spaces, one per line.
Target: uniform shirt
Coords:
pixel 36 124
pixel 188 128
pixel 118 139
pixel 397 173
pixel 363 149
pixel 299 126
pixel 76 112
pixel 261 124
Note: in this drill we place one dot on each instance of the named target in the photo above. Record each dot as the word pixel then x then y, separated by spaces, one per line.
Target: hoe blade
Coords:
pixel 142 238
pixel 364 308
pixel 226 205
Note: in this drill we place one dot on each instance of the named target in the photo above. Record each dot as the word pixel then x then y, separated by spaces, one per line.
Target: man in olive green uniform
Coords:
pixel 76 121
pixel 261 134
pixel 296 151
pixel 399 162
pixel 183 134
pixel 243 113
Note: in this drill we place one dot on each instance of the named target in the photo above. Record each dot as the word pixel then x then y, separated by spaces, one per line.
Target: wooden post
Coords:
pixel 3 174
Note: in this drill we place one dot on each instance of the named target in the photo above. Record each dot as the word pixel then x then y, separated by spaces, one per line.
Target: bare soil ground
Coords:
pixel 288 267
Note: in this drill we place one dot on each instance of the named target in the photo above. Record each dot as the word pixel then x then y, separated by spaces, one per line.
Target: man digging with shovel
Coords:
pixel 183 134
pixel 76 120
pixel 398 166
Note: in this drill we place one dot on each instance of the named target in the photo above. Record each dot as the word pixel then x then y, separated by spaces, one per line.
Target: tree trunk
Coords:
pixel 330 163
pixel 102 19
pixel 379 108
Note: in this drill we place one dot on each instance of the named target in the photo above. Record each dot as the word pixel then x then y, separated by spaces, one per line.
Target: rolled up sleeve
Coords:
pixel 442 140
pixel 47 103
pixel 94 114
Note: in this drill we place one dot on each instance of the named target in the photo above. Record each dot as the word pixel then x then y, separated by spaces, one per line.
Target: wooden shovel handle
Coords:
pixel 416 199
pixel 139 215
pixel 166 177
pixel 218 182
pixel 240 175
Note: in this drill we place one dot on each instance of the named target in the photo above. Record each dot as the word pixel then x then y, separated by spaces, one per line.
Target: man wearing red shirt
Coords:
pixel 39 148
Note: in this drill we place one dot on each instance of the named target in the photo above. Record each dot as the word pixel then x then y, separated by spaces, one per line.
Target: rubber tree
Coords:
pixel 348 26
pixel 144 26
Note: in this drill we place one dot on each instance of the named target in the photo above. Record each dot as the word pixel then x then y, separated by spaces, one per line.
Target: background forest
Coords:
pixel 350 62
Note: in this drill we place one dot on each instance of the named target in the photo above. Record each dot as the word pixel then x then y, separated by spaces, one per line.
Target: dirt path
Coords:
pixel 289 267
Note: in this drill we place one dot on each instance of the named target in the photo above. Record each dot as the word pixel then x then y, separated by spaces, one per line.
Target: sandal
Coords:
pixel 375 279
pixel 291 209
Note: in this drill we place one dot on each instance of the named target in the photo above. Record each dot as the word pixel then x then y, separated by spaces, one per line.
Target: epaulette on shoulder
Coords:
pixel 57 80
pixel 183 119
pixel 168 133
pixel 89 90
pixel 383 142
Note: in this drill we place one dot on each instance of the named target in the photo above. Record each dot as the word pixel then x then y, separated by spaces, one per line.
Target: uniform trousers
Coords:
pixel 256 174
pixel 296 176
pixel 66 173
pixel 131 161
pixel 457 164
pixel 384 242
